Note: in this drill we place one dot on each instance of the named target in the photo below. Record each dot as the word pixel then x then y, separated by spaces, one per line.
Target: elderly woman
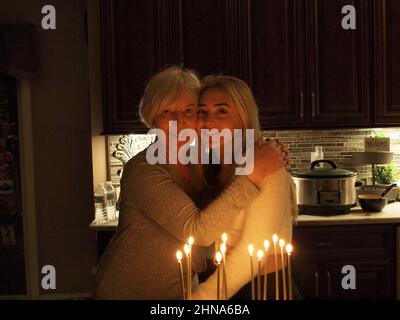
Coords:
pixel 157 213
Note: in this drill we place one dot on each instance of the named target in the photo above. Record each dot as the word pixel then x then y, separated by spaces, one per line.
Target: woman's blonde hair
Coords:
pixel 242 97
pixel 163 89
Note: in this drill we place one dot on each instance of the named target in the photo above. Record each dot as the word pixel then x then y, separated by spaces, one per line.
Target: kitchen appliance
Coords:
pixel 325 191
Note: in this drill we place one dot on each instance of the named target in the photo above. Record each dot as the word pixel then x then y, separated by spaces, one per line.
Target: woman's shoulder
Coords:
pixel 280 176
pixel 138 165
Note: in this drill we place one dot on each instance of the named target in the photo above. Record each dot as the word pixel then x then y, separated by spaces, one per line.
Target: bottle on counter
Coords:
pixel 318 155
pixel 111 200
pixel 100 215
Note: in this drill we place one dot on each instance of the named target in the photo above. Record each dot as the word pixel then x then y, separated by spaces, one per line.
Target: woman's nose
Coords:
pixel 210 122
pixel 179 117
pixel 175 116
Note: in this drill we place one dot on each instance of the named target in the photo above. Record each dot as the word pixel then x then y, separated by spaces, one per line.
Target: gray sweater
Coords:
pixel 156 219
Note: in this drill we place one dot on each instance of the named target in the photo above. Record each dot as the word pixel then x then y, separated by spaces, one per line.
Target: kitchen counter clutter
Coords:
pixel 389 214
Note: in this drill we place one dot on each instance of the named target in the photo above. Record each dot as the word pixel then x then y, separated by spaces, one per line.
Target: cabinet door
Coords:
pixel 374 279
pixel 209 36
pixel 308 279
pixel 387 66
pixel 134 46
pixel 338 64
pixel 140 37
pixel 275 61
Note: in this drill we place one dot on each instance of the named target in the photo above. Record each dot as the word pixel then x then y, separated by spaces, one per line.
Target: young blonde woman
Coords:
pixel 227 103
pixel 157 213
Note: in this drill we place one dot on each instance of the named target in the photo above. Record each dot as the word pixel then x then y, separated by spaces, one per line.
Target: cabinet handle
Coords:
pixel 328 278
pixel 316 284
pixel 313 104
pixel 301 105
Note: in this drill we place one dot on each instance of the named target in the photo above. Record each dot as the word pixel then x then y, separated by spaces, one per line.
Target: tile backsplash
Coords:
pixel 338 145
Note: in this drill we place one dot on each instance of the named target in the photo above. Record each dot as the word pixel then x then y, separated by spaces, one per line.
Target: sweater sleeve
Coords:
pixel 152 191
pixel 271 212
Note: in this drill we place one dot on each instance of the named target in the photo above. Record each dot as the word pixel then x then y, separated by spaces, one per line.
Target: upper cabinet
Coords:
pixel 337 60
pixel 305 69
pixel 133 48
pixel 140 37
pixel 275 61
pixel 387 62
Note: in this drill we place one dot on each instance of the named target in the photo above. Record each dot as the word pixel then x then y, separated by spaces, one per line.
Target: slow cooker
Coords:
pixel 325 191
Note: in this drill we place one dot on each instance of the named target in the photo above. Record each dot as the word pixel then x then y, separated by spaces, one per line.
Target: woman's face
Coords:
pixel 183 111
pixel 216 110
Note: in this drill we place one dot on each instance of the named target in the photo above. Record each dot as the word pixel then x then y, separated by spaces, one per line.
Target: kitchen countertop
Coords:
pixel 106 226
pixel 389 214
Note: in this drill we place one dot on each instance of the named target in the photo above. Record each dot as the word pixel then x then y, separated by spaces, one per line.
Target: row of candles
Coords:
pixel 258 290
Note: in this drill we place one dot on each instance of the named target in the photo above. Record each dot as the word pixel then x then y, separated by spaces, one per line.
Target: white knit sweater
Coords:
pixel 273 211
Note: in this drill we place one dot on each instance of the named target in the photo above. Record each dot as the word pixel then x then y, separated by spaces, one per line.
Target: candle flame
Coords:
pixel 275 238
pixel 251 249
pixel 260 254
pixel 224 237
pixel 186 248
pixel 218 257
pixel 289 249
pixel 266 245
pixel 281 243
pixel 190 241
pixel 223 248
pixel 179 255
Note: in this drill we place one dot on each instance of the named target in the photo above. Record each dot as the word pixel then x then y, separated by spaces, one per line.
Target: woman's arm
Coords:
pixel 152 191
pixel 271 212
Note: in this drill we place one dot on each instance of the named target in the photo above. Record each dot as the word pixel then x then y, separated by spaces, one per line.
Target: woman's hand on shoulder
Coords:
pixel 285 152
pixel 268 158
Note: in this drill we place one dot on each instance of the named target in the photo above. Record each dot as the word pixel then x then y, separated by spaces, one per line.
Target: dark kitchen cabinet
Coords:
pixel 133 48
pixel 305 70
pixel 274 62
pixel 140 37
pixel 338 64
pixel 322 252
pixel 386 62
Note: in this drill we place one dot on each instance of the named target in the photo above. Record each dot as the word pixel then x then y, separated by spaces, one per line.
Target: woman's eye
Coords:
pixel 166 112
pixel 201 113
pixel 189 110
pixel 222 111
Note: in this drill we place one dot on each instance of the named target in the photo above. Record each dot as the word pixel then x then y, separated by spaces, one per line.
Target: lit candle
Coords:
pixel 190 243
pixel 218 259
pixel 260 255
pixel 289 250
pixel 224 282
pixel 275 240
pixel 266 248
pixel 224 237
pixel 251 251
pixel 281 245
pixel 187 250
pixel 179 257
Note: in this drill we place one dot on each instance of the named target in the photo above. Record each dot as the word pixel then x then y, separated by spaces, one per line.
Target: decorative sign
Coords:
pixel 377 144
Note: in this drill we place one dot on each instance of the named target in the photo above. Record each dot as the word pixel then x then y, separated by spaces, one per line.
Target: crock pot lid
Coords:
pixel 326 172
